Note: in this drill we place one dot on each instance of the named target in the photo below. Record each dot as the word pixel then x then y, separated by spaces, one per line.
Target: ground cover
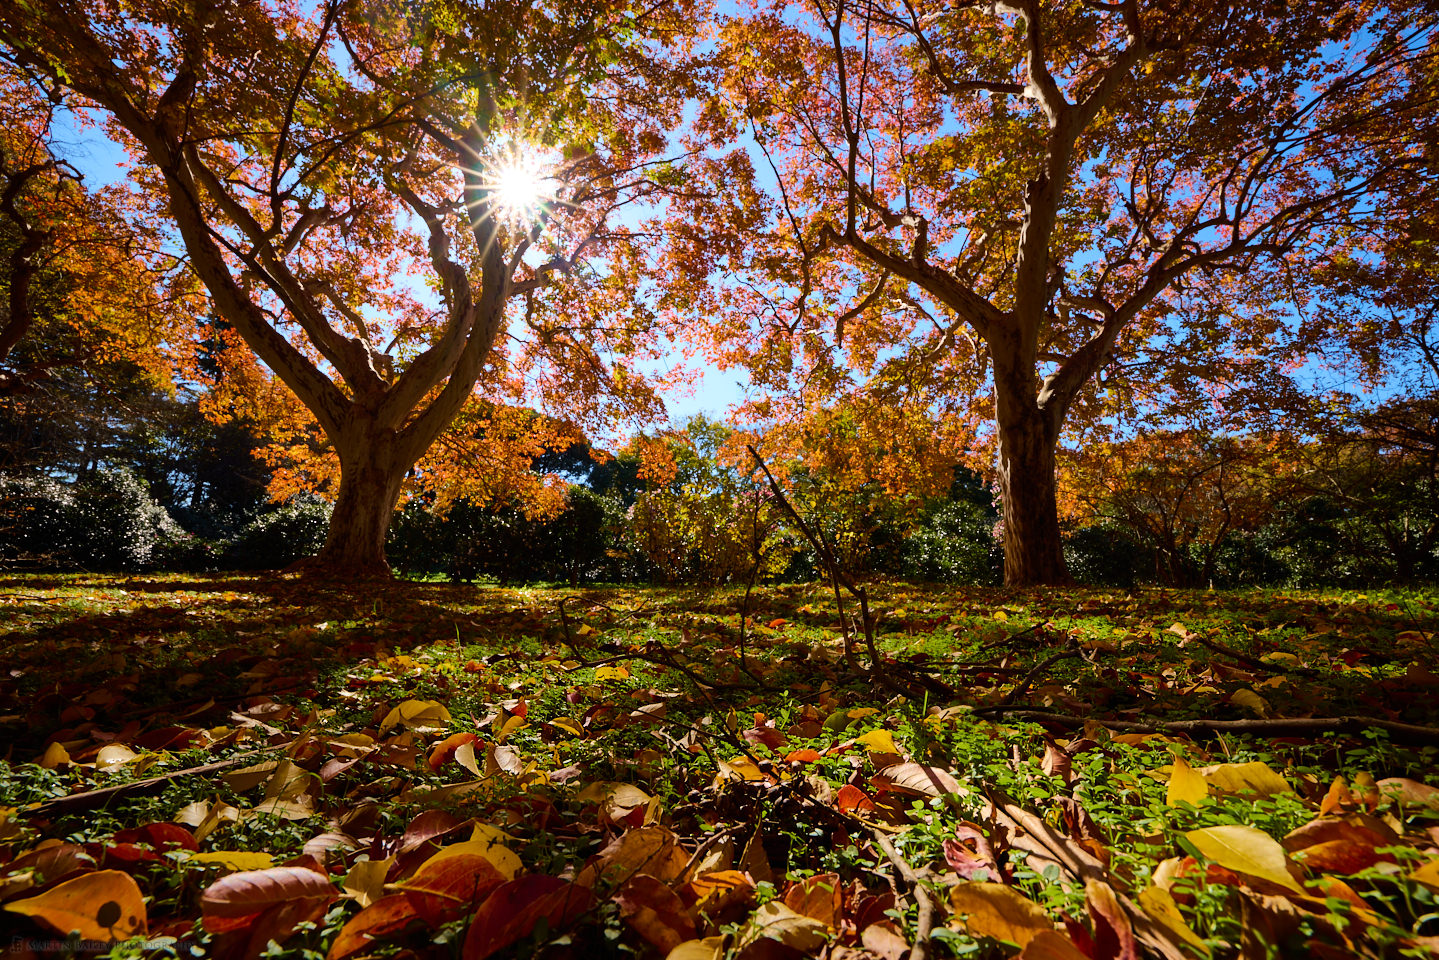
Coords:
pixel 246 766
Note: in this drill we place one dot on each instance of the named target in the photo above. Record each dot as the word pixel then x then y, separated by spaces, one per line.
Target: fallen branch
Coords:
pixel 91 799
pixel 1404 732
pixel 927 907
pixel 1021 688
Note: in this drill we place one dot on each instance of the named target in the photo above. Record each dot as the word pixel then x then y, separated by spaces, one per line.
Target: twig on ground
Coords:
pixel 1021 688
pixel 1406 732
pixel 91 799
pixel 927 908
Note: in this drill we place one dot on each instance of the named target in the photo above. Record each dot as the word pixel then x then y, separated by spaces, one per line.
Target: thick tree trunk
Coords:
pixel 371 471
pixel 1033 553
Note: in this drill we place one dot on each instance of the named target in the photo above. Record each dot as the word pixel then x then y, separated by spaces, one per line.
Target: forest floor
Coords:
pixel 241 766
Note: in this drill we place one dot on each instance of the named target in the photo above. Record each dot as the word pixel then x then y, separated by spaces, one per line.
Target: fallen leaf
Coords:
pixel 710 948
pixel 416 715
pixel 105 905
pixel 513 910
pixel 1051 945
pixel 1186 785
pixel 1245 850
pixel 234 859
pixel 923 780
pixel 1161 908
pixel 242 894
pixel 775 921
pixel 655 912
pixel 994 910
pixel 366 880
pixel 1241 778
pixel 818 896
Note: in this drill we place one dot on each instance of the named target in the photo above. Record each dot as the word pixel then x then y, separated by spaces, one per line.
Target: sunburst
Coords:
pixel 521 184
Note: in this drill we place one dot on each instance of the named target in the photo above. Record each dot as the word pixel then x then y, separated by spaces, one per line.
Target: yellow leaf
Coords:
pixel 740 767
pixel 55 755
pixel 509 726
pixel 1185 785
pixel 1252 777
pixel 776 921
pixel 1246 850
pixel 1162 909
pixel 568 726
pixel 1428 875
pixel 105 905
pixel 235 859
pixel 710 948
pixel 113 756
pixel 416 715
pixel 502 858
pixel 877 741
pixel 1250 700
pixel 611 673
pixel 366 880
pixel 465 757
pixel 994 910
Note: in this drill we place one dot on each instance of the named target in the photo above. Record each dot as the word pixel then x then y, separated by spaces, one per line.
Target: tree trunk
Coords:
pixel 1033 553
pixel 371 472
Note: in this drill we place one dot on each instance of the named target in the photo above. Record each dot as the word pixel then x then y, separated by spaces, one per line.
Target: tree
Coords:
pixel 1067 211
pixel 313 161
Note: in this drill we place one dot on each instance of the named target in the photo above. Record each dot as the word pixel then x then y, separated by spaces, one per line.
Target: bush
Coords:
pixel 107 522
pixel 1104 555
pixel 955 544
pixel 279 537
pixel 35 522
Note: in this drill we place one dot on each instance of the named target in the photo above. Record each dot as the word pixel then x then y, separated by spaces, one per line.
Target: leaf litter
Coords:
pixel 242 766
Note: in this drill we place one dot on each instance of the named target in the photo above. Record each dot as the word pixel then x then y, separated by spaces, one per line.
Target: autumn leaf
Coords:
pixel 105 906
pixel 513 910
pixel 253 891
pixel 654 911
pixel 922 780
pixel 1245 850
pixel 1185 785
pixel 994 910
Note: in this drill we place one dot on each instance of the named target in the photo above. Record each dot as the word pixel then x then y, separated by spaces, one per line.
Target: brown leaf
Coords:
pixel 655 912
pixel 1113 933
pixel 884 939
pixel 1052 945
pixel 654 850
pixel 446 887
pixel 921 779
pixel 1342 845
pixel 242 894
pixel 818 896
pixel 380 919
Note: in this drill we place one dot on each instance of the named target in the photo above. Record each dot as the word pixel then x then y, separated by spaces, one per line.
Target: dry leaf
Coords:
pixel 105 905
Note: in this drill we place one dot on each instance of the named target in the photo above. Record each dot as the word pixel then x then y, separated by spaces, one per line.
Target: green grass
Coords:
pixel 646 688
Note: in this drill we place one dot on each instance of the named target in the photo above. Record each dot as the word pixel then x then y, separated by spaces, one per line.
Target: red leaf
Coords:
pixel 851 798
pixel 161 836
pixel 513 911
pixel 655 912
pixel 380 919
pixel 802 756
pixel 443 890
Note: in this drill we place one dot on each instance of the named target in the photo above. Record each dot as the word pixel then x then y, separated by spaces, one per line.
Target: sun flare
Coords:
pixel 521 185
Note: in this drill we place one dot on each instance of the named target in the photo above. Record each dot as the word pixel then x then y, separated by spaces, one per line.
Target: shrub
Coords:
pixel 106 522
pixel 954 544
pixel 279 537
pixel 1104 555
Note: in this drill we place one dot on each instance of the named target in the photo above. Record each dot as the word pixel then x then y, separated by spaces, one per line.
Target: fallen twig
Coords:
pixel 922 896
pixel 1405 732
pixel 91 799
